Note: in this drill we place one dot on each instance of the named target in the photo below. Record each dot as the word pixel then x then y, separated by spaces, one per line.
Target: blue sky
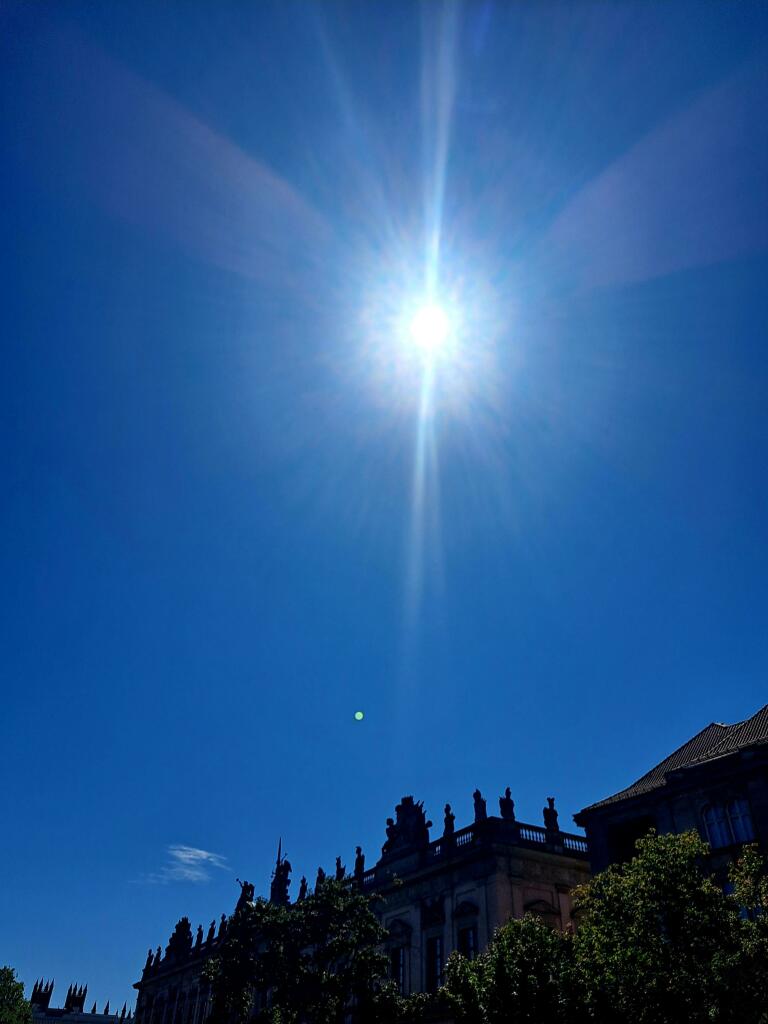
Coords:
pixel 230 516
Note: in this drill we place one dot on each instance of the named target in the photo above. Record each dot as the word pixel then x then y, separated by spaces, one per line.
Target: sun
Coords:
pixel 429 328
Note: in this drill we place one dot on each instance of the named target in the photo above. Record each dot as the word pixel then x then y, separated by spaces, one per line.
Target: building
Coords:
pixel 73 1010
pixel 716 783
pixel 439 895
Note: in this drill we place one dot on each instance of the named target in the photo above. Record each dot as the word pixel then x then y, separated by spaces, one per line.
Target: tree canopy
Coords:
pixel 523 976
pixel 313 958
pixel 14 1008
pixel 658 941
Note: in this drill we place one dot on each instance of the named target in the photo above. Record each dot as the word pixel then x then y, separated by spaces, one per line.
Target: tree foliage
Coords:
pixel 749 879
pixel 14 1008
pixel 658 942
pixel 312 959
pixel 523 976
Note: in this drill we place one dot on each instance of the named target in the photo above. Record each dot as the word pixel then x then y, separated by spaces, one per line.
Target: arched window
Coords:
pixel 716 824
pixel 728 823
pixel 741 821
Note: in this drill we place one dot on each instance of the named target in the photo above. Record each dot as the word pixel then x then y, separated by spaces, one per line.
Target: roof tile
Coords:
pixel 715 740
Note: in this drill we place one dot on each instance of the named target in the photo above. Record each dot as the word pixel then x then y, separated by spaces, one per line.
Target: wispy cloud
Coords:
pixel 184 864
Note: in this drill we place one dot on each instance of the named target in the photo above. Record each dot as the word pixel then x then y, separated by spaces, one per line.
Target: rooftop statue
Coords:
pixel 507 805
pixel 303 888
pixel 550 816
pixel 320 878
pixel 247 890
pixel 278 890
pixel 341 871
pixel 359 864
pixel 449 822
pixel 199 936
pixel 280 882
pixel 481 812
pixel 211 933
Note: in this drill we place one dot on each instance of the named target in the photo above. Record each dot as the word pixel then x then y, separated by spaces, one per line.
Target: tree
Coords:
pixel 14 1008
pixel 524 975
pixel 314 958
pixel 659 942
pixel 749 974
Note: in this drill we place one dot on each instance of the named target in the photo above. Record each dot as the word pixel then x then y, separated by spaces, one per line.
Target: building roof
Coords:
pixel 715 740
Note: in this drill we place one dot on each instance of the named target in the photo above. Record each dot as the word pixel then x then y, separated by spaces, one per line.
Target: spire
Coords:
pixel 93 1008
pixel 106 1008
pixel 280 878
pixel 122 1012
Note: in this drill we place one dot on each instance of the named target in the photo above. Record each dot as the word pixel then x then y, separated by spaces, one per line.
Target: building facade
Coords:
pixel 716 783
pixel 438 895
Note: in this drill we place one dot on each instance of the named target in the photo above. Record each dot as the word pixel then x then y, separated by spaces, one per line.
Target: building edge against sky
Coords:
pixel 452 892
pixel 440 894
pixel 457 889
pixel 716 783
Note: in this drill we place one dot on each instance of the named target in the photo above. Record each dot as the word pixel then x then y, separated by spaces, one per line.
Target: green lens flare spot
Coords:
pixel 359 716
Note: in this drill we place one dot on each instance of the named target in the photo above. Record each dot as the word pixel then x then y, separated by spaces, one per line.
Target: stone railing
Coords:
pixel 497 830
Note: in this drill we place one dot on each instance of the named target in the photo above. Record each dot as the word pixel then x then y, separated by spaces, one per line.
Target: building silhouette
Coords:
pixel 73 1011
pixel 438 895
pixel 716 783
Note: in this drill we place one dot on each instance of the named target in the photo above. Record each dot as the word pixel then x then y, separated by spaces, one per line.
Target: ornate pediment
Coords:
pixel 408 830
pixel 180 943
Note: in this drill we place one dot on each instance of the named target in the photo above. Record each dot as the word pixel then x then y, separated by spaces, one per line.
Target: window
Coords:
pixel 716 825
pixel 397 968
pixel 728 823
pixel 467 943
pixel 434 963
pixel 741 821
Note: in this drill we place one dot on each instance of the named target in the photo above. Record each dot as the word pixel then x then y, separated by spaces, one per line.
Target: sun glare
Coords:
pixel 429 328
